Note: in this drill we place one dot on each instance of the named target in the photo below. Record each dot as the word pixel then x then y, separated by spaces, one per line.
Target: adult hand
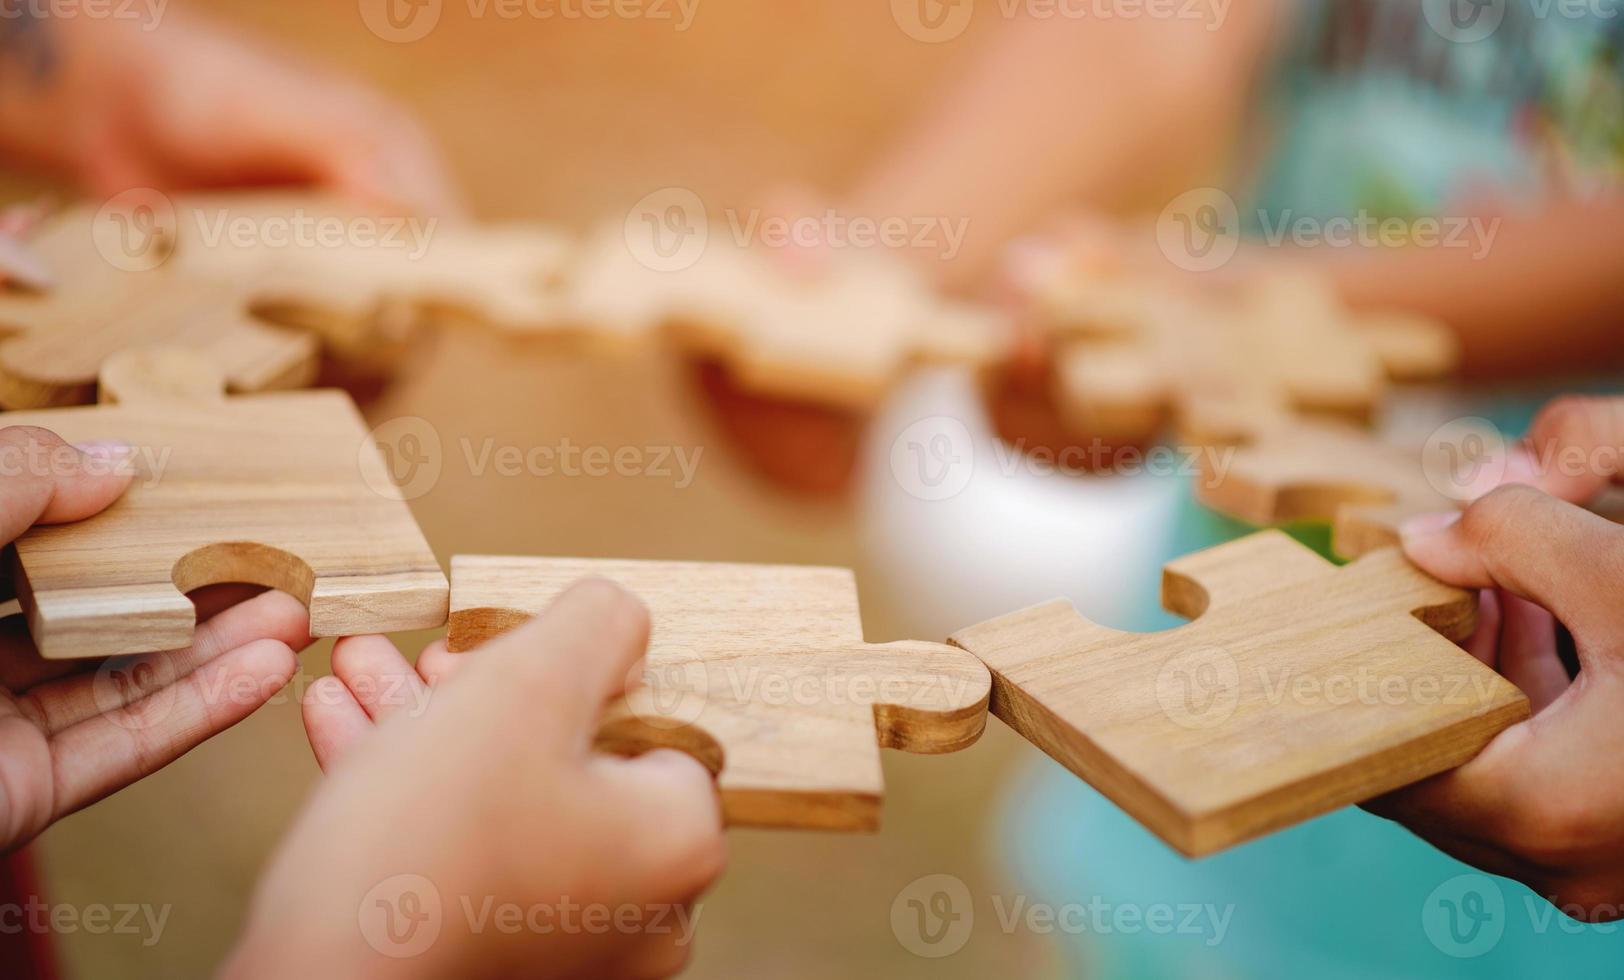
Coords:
pixel 1544 802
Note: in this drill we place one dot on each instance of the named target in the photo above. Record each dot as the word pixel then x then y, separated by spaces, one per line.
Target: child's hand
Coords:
pixel 72 732
pixel 1544 802
pixel 479 791
pixel 189 105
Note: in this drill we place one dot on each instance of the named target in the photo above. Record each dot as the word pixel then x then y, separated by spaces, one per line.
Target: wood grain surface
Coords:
pixel 758 671
pixel 1299 688
pixel 285 490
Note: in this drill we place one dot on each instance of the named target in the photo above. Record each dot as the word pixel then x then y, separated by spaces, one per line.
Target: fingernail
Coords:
pixel 1423 525
pixel 105 449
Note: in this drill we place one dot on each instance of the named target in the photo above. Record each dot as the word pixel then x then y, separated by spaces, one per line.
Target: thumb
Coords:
pixel 48 481
pixel 574 657
pixel 1560 556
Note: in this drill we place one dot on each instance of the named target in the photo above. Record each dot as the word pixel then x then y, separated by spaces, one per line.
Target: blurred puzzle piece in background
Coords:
pixel 1134 355
pixel 262 285
pixel 760 672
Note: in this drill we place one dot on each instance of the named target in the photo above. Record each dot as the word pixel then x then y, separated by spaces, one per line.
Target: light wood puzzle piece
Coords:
pixel 261 285
pixel 841 338
pixel 1135 355
pixel 325 265
pixel 284 490
pixel 57 338
pixel 1298 688
pixel 758 671
pixel 1303 471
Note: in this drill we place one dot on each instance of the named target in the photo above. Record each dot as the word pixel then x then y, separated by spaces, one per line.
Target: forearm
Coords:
pixel 1530 294
pixel 1080 111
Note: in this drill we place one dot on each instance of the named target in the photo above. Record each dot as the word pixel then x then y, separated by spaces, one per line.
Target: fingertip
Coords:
pixel 333 720
pixel 271 660
pixel 1427 538
pixel 437 663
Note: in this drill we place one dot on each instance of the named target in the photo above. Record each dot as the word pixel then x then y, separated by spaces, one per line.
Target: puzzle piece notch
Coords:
pixel 1232 725
pixel 282 490
pixel 761 673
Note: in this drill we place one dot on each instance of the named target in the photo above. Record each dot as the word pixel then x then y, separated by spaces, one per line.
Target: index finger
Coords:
pixel 48 481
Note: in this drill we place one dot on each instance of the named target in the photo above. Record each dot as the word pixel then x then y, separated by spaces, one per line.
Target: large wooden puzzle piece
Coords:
pixel 261 285
pixel 1135 355
pixel 1298 688
pixel 284 490
pixel 761 673
pixel 841 337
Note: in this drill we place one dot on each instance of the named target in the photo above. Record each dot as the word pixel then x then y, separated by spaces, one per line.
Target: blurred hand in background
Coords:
pixel 111 105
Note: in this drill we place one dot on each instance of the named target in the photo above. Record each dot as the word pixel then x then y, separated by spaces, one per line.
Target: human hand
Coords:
pixel 1544 802
pixel 187 104
pixel 471 783
pixel 73 731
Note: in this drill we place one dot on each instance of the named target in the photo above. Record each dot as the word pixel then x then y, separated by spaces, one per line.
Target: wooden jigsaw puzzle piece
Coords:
pixel 761 673
pixel 1297 689
pixel 58 339
pixel 1305 471
pixel 841 337
pixel 283 490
